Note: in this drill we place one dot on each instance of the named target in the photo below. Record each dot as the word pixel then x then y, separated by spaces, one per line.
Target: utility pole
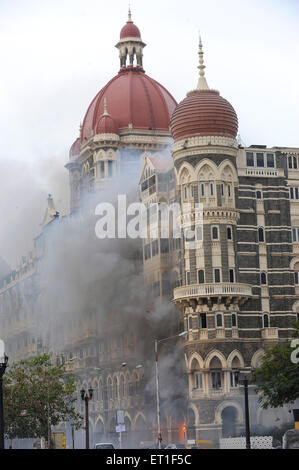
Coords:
pixel 157 395
pixel 86 397
pixel 3 365
pixel 247 424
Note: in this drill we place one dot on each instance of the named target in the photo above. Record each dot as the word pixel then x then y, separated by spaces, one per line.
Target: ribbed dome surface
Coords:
pixel 204 113
pixel 130 31
pixel 75 148
pixel 134 100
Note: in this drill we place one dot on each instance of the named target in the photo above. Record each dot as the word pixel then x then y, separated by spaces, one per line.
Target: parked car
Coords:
pixel 290 439
pixel 175 446
pixel 104 445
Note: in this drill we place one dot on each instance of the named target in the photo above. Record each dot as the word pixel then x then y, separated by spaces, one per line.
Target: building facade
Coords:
pixel 238 288
pixel 234 287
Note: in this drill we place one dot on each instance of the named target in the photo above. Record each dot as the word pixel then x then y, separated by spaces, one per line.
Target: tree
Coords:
pixel 37 395
pixel 277 378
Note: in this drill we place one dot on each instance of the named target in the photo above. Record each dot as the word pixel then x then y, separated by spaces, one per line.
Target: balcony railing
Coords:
pixel 212 290
pixel 270 333
pixel 220 333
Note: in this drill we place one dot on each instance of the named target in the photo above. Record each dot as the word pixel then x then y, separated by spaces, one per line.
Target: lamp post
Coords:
pixel 157 383
pixel 244 382
pixel 3 365
pixel 118 398
pixel 86 397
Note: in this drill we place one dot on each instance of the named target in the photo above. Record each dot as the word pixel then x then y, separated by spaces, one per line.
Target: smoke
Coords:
pixel 24 188
pixel 88 290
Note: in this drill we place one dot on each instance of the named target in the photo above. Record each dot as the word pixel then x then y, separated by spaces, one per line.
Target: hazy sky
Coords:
pixel 57 54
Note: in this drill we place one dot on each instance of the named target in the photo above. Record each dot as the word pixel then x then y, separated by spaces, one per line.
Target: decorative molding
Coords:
pixel 205 141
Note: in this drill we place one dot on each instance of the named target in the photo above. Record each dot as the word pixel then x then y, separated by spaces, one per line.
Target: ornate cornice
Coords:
pixel 206 145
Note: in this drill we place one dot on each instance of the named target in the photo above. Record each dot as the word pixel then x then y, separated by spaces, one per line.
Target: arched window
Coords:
pixel 234 320
pixel 263 279
pixel 216 373
pixel 266 320
pixel 219 319
pixel 261 235
pixel 234 373
pixel 185 193
pixel 229 233
pixel 215 232
pixel 115 395
pixel 122 386
pixel 100 390
pixel 197 379
pixel 110 391
pixel 259 194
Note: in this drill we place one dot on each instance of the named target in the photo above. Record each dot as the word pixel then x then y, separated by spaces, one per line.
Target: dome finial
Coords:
pixel 130 14
pixel 202 82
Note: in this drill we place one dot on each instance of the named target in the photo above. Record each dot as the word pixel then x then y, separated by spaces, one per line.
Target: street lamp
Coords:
pixel 124 364
pixel 157 341
pixel 244 381
pixel 3 365
pixel 86 396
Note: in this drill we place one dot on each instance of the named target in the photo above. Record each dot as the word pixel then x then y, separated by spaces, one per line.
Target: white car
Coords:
pixel 104 445
pixel 175 446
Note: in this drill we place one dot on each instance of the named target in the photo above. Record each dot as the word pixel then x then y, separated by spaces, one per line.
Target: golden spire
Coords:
pixel 130 15
pixel 202 82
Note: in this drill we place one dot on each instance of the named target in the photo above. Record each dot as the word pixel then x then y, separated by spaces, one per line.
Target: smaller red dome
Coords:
pixel 130 31
pixel 75 148
pixel 204 113
pixel 106 125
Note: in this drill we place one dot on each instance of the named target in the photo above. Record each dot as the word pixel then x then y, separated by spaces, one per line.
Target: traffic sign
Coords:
pixel 120 428
pixel 120 417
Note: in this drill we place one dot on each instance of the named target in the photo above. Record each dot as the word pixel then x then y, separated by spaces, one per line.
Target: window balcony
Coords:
pixel 203 334
pixel 235 333
pixel 220 333
pixel 215 392
pixel 213 293
pixel 270 333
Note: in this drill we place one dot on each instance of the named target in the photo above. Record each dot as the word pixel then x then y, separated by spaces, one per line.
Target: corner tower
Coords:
pixel 204 127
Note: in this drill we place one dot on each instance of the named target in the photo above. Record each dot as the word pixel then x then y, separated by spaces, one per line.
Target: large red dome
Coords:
pixel 204 113
pixel 134 100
